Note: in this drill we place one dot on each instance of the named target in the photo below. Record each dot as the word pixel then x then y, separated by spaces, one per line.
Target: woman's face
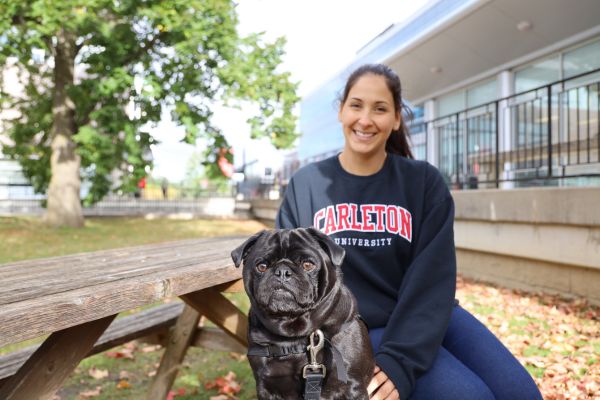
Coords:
pixel 368 116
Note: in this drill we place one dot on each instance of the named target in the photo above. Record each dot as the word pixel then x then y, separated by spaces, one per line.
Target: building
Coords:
pixel 505 95
pixel 505 92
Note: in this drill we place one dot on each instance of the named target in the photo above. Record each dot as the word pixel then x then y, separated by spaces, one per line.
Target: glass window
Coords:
pixel 582 59
pixel 482 93
pixel 538 74
pixel 451 103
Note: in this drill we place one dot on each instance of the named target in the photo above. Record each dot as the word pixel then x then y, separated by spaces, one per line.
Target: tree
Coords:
pixel 84 63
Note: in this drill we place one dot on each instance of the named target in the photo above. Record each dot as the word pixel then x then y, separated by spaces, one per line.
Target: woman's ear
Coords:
pixel 398 121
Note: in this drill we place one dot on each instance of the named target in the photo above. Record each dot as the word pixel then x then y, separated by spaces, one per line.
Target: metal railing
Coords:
pixel 536 137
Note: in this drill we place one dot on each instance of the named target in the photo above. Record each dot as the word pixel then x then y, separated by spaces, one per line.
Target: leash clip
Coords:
pixel 313 349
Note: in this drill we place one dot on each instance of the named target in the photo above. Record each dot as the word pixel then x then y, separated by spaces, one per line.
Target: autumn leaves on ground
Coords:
pixel 557 340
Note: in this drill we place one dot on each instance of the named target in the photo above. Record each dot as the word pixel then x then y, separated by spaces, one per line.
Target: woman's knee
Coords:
pixel 453 390
pixel 519 387
pixel 449 379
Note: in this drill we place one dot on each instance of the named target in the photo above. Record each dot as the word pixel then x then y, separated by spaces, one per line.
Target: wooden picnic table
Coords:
pixel 75 298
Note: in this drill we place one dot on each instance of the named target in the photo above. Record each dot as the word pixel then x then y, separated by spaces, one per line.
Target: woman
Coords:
pixel 394 217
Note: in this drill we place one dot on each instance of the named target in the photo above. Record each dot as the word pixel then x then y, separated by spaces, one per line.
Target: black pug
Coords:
pixel 294 281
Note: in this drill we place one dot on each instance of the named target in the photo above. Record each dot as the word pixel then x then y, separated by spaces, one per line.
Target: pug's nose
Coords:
pixel 283 273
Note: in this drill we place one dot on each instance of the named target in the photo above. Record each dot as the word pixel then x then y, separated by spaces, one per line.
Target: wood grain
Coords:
pixel 43 374
pixel 179 341
pixel 217 308
pixel 33 313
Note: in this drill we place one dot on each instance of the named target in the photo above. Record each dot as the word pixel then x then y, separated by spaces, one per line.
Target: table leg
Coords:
pixel 45 371
pixel 179 341
pixel 217 308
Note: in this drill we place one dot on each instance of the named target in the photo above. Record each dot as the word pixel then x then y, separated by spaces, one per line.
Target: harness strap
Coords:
pixel 272 350
pixel 338 360
pixel 312 388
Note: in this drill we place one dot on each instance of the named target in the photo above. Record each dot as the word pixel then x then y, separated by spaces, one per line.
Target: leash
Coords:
pixel 313 372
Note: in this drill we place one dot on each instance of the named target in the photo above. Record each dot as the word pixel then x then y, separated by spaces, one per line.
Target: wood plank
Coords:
pixel 82 259
pixel 215 339
pixel 120 331
pixel 33 283
pixel 177 346
pixel 39 316
pixel 85 261
pixel 43 374
pixel 44 286
pixel 217 308
pixel 231 287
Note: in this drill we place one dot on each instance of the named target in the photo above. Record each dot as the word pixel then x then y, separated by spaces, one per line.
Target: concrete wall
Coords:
pixel 535 239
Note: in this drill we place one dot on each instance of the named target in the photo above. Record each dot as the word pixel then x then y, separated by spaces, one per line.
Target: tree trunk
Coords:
pixel 64 203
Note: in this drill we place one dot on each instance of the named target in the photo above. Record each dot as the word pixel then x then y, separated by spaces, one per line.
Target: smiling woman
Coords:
pixel 394 217
pixel 371 117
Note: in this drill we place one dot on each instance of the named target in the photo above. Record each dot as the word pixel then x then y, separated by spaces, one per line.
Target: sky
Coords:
pixel 323 37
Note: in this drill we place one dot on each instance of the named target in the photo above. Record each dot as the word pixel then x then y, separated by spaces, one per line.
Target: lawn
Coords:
pixel 557 339
pixel 26 238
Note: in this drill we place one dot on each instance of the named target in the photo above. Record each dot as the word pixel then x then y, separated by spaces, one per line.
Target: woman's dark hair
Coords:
pixel 397 143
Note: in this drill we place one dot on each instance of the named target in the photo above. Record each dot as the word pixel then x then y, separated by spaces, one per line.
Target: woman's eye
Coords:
pixel 381 109
pixel 308 266
pixel 262 267
pixel 355 106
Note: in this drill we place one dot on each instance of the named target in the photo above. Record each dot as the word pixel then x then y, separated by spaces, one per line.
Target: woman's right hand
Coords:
pixel 381 387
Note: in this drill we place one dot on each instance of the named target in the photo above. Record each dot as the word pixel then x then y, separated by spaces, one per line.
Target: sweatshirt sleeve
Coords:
pixel 287 216
pixel 419 321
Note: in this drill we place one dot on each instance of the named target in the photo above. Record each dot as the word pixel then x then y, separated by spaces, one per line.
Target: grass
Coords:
pixel 27 238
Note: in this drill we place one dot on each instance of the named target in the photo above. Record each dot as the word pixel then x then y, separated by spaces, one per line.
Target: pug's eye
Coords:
pixel 262 267
pixel 308 266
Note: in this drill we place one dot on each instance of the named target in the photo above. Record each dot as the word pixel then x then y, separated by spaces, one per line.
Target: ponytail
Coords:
pixel 398 143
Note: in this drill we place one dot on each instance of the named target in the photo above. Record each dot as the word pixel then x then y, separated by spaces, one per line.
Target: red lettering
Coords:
pixel 343 214
pixel 318 217
pixel 329 220
pixel 391 219
pixel 368 226
pixel 380 209
pixel 406 231
pixel 355 224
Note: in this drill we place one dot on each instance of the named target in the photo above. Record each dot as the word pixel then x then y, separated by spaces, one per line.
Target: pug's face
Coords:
pixel 287 272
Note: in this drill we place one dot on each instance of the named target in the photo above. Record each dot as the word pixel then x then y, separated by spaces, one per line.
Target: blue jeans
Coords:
pixel 471 364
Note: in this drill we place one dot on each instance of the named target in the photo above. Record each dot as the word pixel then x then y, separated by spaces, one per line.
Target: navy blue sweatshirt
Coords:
pixel 397 229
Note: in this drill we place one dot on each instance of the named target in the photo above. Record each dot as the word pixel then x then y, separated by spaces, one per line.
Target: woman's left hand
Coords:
pixel 381 387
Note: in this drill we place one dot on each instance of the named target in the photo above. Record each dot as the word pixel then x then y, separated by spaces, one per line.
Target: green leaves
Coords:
pixel 135 59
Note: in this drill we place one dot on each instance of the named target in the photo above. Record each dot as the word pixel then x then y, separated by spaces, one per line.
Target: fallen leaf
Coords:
pixel 91 393
pixel 123 384
pixel 98 373
pixel 225 384
pixel 149 349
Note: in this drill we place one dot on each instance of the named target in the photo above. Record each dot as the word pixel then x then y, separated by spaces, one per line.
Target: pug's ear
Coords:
pixel 333 250
pixel 240 253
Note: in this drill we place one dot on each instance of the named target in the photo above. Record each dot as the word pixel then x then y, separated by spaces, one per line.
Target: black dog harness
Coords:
pixel 313 372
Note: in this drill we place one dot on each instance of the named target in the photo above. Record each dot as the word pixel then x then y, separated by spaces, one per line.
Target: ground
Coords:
pixel 557 339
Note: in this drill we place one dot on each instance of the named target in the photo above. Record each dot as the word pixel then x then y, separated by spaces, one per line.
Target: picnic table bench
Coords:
pixel 74 299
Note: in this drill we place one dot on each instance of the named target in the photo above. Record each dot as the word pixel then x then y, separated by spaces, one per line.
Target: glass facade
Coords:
pixel 583 59
pixel 539 74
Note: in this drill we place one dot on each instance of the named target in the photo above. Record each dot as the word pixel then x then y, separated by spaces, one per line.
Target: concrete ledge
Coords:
pixel 565 205
pixel 563 244
pixel 535 239
pixel 530 275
